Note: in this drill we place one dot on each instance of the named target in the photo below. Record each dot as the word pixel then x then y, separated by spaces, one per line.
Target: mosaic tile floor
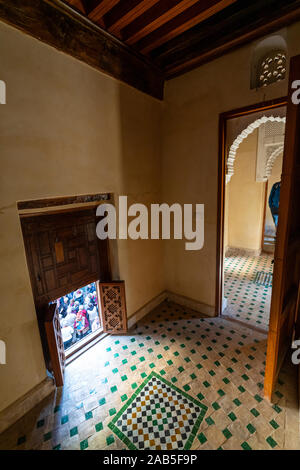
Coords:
pixel 213 363
pixel 159 416
pixel 247 301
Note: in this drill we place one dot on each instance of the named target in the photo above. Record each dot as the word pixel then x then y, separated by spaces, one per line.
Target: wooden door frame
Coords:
pixel 223 118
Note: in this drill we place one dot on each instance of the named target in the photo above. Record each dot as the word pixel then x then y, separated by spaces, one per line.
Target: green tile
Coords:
pixel 216 406
pixel 237 402
pixel 232 416
pixel 73 431
pixel 209 421
pixel 124 397
pixel 251 428
pixel 271 442
pixel 47 436
pixel 88 415
pixel 113 389
pixel 246 446
pixel 84 444
pixel 277 409
pixel 112 411
pixel 110 440
pixel 202 438
pixel 258 398
pixel 227 433
pixel 102 401
pixel 255 412
pixel 274 424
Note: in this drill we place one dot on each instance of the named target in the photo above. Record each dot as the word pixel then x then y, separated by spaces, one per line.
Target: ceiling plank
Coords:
pixel 126 12
pixel 77 4
pixel 154 18
pixel 201 45
pixel 60 26
pixel 99 9
pixel 181 23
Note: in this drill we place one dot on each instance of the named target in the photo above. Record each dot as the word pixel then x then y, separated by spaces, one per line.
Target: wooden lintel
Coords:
pixel 60 26
pixel 62 201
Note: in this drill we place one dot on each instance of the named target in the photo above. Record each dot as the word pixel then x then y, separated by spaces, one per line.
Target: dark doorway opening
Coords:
pixel 79 317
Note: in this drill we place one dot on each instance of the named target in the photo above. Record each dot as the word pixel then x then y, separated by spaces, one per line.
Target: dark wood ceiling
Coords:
pixel 173 32
pixel 144 42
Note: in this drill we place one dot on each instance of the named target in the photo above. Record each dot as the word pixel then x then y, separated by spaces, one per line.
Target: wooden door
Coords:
pixel 55 344
pixel 63 253
pixel 113 307
pixel 287 251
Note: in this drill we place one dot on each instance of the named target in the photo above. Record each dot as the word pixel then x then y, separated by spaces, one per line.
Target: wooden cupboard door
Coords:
pixel 113 307
pixel 287 251
pixel 55 344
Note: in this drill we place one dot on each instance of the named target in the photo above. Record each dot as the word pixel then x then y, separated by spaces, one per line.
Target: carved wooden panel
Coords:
pixel 113 307
pixel 63 253
pixel 55 344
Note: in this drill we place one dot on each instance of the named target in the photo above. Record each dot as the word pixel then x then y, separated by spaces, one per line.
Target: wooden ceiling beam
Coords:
pixel 60 26
pixel 181 23
pixel 98 9
pixel 126 12
pixel 153 18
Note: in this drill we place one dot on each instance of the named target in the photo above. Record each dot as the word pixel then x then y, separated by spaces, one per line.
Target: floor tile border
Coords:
pixel 196 426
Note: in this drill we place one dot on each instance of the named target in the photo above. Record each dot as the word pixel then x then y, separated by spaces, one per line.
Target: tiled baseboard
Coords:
pixel 147 308
pixel 236 251
pixel 179 299
pixel 207 310
pixel 19 408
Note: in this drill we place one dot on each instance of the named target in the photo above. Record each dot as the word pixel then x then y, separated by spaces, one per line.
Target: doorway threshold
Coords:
pixel 84 347
pixel 242 323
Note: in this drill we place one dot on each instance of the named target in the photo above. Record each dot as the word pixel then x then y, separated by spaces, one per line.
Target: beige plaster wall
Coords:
pixel 193 103
pixel 67 129
pixel 246 199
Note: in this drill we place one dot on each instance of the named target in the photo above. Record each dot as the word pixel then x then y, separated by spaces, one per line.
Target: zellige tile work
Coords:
pixel 175 381
pixel 247 301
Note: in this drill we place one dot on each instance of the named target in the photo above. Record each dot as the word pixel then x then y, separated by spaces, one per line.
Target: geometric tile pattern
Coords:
pixel 159 416
pixel 247 301
pixel 217 362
